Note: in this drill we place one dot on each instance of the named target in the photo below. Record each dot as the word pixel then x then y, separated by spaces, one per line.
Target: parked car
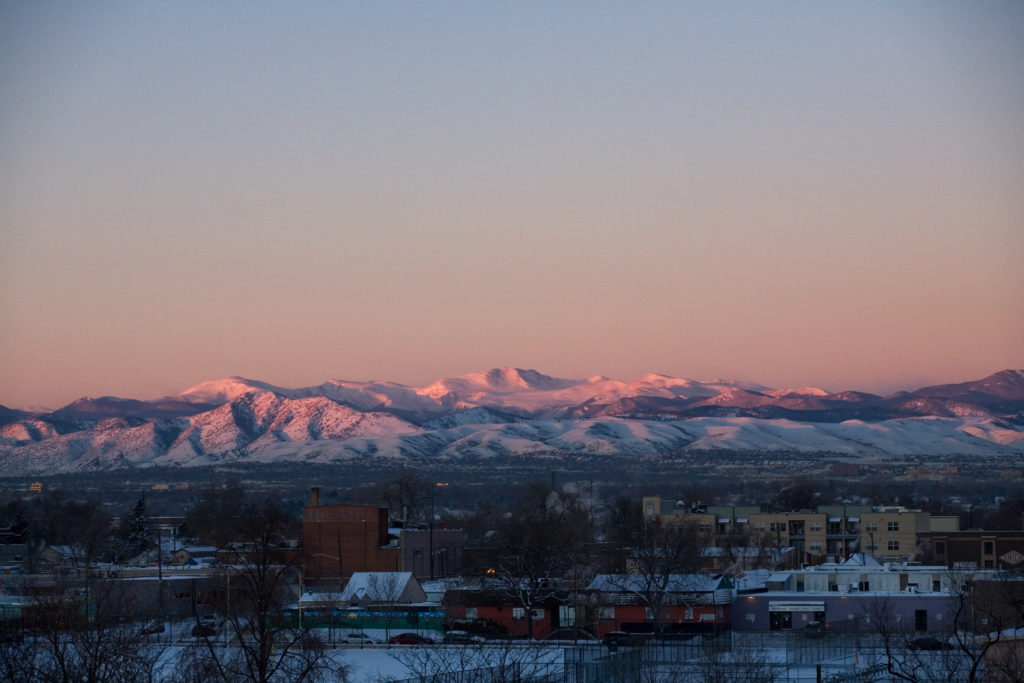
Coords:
pixel 357 638
pixel 814 629
pixel 409 639
pixel 206 626
pixel 461 638
pixel 152 627
pixel 928 643
pixel 678 636
pixel 613 638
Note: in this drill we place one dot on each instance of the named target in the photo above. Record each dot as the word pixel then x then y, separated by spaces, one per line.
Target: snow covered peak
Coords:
pixel 802 391
pixel 226 390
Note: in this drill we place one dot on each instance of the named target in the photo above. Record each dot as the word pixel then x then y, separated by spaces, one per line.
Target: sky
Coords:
pixel 794 194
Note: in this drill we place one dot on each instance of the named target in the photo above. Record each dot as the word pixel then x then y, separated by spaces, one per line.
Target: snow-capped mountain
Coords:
pixel 509 412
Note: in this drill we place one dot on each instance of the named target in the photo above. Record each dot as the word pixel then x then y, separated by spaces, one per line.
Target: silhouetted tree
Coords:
pixel 213 519
pixel 133 530
pixel 536 545
pixel 262 579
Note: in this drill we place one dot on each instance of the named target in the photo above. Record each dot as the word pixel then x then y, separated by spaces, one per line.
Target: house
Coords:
pixel 194 555
pixel 689 603
pixel 490 609
pixel 382 589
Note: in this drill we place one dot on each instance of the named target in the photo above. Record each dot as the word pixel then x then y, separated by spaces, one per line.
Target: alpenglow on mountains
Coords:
pixel 510 412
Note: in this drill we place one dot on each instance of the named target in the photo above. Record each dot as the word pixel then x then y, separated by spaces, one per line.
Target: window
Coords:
pixel 606 613
pixel 870 526
pixel 537 614
pixel 471 612
pixel 940 548
pixel 988 549
pixel 518 613
pixel 780 526
pixel 704 527
pixel 759 526
pixel 815 546
pixel 688 613
pixel 894 545
pixel 863 585
pixel 893 526
pixel 815 526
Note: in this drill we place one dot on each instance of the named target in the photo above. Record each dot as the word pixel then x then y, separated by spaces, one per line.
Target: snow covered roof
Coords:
pixel 379 586
pixel 860 560
pixel 677 583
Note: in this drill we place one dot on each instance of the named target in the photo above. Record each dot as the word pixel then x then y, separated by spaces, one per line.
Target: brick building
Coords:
pixel 339 540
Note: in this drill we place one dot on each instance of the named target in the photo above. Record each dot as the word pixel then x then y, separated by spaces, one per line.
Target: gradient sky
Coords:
pixel 798 193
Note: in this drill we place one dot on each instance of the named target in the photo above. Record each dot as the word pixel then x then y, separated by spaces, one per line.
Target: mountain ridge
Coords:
pixel 505 411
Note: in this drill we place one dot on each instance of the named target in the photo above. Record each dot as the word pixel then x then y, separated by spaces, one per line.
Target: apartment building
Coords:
pixel 828 532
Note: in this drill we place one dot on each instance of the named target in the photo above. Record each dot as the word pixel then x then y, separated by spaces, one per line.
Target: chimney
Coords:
pixel 314 495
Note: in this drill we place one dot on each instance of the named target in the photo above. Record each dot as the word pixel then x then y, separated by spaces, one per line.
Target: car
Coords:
pixel 678 636
pixel 928 643
pixel 613 638
pixel 409 639
pixel 356 638
pixel 206 626
pixel 461 638
pixel 152 627
pixel 814 629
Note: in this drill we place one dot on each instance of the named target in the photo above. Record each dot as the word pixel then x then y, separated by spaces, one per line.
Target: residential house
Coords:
pixel 685 603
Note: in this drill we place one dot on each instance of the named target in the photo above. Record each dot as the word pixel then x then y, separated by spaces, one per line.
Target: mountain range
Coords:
pixel 506 412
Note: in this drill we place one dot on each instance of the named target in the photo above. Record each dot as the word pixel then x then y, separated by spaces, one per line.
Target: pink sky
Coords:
pixel 820 195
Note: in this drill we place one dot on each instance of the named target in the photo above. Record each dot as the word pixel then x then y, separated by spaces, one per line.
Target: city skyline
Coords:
pixel 822 195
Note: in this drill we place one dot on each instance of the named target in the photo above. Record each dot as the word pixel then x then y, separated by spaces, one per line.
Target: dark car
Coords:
pixel 409 639
pixel 815 629
pixel 617 638
pixel 461 638
pixel 928 643
pixel 152 628
pixel 205 627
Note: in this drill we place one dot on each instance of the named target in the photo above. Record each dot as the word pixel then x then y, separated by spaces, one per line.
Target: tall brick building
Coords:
pixel 338 540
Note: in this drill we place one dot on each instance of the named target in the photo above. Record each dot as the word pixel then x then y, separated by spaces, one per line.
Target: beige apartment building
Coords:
pixel 830 532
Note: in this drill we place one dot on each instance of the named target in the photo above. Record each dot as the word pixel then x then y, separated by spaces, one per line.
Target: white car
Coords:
pixel 357 638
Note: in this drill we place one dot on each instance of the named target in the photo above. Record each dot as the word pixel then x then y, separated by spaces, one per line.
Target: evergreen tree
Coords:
pixel 135 529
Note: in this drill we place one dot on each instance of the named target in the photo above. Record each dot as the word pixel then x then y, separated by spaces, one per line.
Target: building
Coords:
pixel 830 532
pixel 489 610
pixel 382 589
pixel 339 540
pixel 687 603
pixel 974 549
pixel 432 553
pixel 853 596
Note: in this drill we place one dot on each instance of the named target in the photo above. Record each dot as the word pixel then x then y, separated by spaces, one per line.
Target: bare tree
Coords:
pixel 739 665
pixel 85 635
pixel 659 555
pixel 979 616
pixel 535 547
pixel 494 662
pixel 264 643
pixel 384 589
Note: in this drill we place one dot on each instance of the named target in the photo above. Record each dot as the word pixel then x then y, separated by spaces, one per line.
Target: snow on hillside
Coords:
pixel 227 389
pixel 512 412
